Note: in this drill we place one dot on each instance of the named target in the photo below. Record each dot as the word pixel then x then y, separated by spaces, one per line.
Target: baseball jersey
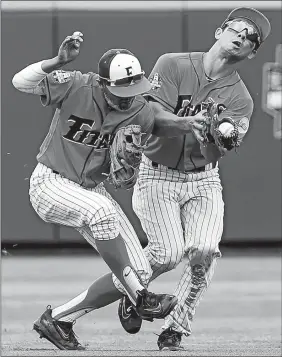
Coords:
pixel 180 84
pixel 83 126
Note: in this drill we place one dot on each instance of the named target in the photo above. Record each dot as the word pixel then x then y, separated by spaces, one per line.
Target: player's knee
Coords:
pixel 173 259
pixel 204 255
pixel 167 257
pixel 104 222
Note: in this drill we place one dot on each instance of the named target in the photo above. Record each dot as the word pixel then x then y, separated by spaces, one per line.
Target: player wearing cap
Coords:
pixel 178 195
pixel 66 186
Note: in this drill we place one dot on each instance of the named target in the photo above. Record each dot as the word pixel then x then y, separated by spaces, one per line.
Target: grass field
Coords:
pixel 239 316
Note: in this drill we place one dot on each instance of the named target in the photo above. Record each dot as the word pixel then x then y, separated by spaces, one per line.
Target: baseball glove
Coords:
pixel 125 154
pixel 214 132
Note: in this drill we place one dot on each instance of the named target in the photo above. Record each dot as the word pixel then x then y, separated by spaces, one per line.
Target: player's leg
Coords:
pixel 130 321
pixel 132 243
pixel 103 291
pixel 156 204
pixel 140 262
pixel 155 201
pixel 203 222
pixel 60 201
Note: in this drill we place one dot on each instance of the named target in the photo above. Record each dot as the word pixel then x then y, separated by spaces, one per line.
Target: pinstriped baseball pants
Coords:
pixel 92 212
pixel 181 213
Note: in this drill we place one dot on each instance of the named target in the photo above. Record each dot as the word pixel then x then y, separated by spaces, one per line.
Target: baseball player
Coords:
pixel 66 185
pixel 178 195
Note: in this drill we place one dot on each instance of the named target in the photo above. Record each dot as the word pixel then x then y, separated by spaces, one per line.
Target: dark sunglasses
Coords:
pixel 126 81
pixel 251 33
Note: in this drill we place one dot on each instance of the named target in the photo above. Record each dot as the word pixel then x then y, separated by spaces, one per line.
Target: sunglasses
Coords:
pixel 126 81
pixel 251 32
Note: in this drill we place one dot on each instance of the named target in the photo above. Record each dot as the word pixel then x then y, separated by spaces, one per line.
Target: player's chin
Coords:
pixel 235 55
pixel 123 106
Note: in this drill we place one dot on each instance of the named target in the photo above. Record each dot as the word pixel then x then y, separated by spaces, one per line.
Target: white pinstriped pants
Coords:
pixel 181 213
pixel 92 212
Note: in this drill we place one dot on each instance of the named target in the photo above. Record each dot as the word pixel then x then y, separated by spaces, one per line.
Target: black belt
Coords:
pixel 56 172
pixel 197 169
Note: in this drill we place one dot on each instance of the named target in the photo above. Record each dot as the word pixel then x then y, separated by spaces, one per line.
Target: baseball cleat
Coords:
pixel 128 317
pixel 151 306
pixel 170 340
pixel 59 333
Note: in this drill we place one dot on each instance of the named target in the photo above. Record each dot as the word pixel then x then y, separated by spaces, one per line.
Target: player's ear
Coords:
pixel 100 82
pixel 252 54
pixel 218 33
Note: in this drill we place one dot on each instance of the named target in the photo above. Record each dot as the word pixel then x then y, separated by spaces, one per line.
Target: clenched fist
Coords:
pixel 70 48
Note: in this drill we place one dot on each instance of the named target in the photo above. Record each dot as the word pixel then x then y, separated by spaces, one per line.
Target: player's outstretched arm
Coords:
pixel 170 125
pixel 29 78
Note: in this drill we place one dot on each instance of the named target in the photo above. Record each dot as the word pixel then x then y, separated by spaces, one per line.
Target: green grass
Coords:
pixel 240 314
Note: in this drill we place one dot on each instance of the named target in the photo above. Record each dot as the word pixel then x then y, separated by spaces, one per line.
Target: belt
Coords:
pixel 196 169
pixel 56 172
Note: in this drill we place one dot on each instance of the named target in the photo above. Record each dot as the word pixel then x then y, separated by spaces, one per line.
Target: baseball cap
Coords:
pixel 255 17
pixel 123 73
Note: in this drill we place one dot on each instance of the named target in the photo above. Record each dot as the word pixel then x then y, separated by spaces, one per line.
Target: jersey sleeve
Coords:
pixel 240 110
pixel 148 125
pixel 59 84
pixel 164 80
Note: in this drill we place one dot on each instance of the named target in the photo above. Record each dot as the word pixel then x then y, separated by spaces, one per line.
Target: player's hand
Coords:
pixel 70 48
pixel 127 168
pixel 197 123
